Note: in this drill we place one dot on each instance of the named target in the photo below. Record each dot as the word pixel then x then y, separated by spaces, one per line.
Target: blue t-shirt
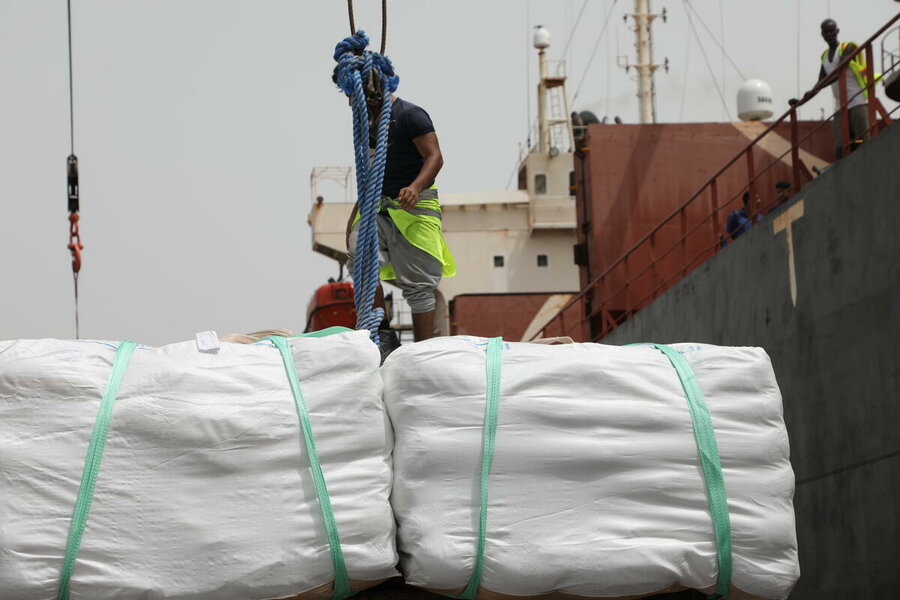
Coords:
pixel 739 222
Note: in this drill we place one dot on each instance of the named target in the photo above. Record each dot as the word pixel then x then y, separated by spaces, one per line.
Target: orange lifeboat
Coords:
pixel 331 306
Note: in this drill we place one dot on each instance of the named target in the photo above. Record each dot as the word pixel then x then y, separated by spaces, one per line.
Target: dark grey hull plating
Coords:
pixel 835 347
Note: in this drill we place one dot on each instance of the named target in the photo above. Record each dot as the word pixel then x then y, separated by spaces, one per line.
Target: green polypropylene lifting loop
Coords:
pixel 489 437
pixel 708 449
pixel 92 467
pixel 341 579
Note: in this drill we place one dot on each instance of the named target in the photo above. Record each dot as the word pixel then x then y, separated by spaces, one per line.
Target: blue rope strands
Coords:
pixel 354 64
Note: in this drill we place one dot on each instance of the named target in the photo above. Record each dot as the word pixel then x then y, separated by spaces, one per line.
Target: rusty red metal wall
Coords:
pixel 631 177
pixel 492 315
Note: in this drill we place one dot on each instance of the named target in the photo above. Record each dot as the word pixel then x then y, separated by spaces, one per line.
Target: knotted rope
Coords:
pixel 355 64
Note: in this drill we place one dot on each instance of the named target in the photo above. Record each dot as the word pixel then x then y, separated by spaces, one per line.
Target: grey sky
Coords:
pixel 197 124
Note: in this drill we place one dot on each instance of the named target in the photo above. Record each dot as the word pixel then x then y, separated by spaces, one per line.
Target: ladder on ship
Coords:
pixel 558 123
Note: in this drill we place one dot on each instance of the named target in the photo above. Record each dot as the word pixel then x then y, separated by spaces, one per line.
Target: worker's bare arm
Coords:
pixel 430 149
pixel 350 224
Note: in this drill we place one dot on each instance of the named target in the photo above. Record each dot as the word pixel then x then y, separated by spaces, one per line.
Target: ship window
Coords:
pixel 498 261
pixel 542 260
pixel 540 184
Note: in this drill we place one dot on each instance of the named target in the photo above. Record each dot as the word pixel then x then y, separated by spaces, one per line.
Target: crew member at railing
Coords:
pixel 739 221
pixel 855 76
pixel 783 193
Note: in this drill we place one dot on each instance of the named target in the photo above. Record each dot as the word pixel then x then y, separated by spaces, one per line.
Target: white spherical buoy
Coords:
pixel 541 37
pixel 754 100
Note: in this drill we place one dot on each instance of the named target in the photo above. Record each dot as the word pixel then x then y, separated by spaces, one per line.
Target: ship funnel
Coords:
pixel 541 37
pixel 754 100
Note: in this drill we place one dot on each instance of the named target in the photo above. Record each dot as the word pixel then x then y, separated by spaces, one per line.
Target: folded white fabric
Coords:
pixel 206 488
pixel 595 487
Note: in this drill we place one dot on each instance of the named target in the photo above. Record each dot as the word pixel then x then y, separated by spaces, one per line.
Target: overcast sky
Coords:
pixel 197 123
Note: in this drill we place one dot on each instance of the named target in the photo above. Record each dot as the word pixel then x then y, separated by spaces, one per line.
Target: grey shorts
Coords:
pixel 418 273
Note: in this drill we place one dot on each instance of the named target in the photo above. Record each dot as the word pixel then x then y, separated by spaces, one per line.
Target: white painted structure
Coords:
pixel 507 241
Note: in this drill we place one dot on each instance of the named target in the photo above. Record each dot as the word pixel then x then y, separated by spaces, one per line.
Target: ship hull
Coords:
pixel 818 286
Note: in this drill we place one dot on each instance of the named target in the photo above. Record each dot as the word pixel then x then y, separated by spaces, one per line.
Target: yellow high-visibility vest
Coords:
pixel 423 232
pixel 857 65
pixel 422 229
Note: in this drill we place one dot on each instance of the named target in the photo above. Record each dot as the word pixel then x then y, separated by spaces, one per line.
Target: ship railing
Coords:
pixel 556 69
pixel 890 62
pixel 623 288
pixel 531 145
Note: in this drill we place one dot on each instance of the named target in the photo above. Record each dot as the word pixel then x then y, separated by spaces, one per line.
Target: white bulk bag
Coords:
pixel 595 488
pixel 205 489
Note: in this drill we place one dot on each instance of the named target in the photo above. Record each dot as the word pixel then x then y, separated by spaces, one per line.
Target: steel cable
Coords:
pixel 706 60
pixel 722 48
pixel 594 51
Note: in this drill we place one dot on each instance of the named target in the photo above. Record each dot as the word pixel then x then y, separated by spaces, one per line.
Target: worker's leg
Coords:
pixel 383 255
pixel 379 297
pixel 423 325
pixel 836 131
pixel 418 275
pixel 859 125
pixel 387 337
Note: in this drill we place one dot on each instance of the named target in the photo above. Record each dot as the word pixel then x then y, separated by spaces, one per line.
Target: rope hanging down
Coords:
pixel 355 65
pixel 75 246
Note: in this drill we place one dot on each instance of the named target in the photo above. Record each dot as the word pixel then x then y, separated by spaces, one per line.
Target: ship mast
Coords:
pixel 643 21
pixel 554 123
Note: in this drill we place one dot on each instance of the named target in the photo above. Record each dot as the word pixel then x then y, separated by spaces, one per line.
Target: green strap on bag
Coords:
pixel 489 437
pixel 708 450
pixel 92 467
pixel 341 579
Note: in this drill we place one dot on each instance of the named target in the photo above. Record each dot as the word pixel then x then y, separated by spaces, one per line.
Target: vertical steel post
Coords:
pixel 543 127
pixel 642 22
pixel 683 219
pixel 843 112
pixel 870 91
pixel 587 328
pixel 562 324
pixel 714 198
pixel 751 185
pixel 795 150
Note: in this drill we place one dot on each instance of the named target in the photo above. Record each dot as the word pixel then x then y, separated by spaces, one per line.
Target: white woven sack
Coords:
pixel 205 490
pixel 595 489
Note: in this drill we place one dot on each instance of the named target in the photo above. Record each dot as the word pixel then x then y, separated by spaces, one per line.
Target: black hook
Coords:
pixel 72 177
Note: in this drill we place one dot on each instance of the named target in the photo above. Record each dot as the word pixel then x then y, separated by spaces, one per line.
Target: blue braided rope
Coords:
pixel 355 63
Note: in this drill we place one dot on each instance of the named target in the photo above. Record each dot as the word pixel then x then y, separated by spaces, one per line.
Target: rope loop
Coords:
pixel 355 71
pixel 351 54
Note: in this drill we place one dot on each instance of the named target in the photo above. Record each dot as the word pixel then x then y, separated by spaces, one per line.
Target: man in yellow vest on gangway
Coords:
pixel 856 77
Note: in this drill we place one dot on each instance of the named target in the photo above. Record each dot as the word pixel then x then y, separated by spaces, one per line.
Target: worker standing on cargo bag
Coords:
pixel 413 254
pixel 856 87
